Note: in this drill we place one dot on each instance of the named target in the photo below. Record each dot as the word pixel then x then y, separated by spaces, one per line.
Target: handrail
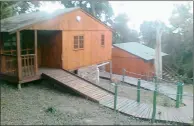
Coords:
pixel 8 55
pixel 16 50
pixel 28 55
pixel 176 75
pixel 170 69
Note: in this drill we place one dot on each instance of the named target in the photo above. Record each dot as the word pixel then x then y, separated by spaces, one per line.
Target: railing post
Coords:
pixel 178 95
pixel 181 92
pixel 123 75
pixel 111 71
pixel 97 75
pixel 138 90
pixel 115 97
pixel 154 101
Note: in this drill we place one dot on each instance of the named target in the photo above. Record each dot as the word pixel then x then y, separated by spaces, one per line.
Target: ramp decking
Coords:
pixel 124 105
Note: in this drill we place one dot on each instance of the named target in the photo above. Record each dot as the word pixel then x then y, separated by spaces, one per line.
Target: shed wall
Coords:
pixel 130 62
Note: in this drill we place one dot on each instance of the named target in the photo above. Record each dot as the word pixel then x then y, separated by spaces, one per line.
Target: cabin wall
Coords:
pixel 93 52
pixel 49 50
pixel 132 63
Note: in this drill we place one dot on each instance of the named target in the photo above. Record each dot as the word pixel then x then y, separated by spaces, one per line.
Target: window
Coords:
pixel 78 42
pixel 102 40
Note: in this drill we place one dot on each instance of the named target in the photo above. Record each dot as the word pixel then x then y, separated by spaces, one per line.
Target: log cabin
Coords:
pixel 137 59
pixel 67 39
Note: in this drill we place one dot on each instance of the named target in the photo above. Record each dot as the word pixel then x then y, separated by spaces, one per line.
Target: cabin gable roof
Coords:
pixel 27 20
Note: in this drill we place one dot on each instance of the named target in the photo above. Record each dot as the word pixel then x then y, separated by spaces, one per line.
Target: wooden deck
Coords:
pixel 106 98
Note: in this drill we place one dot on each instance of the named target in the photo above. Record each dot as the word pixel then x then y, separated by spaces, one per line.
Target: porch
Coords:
pixel 22 54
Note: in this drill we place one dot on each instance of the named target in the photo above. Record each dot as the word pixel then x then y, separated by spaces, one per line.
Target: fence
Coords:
pixel 157 95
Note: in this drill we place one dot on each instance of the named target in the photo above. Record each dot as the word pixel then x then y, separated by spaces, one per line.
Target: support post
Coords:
pixel 19 86
pixel 154 101
pixel 181 92
pixel 19 63
pixel 115 97
pixel 123 75
pixel 97 81
pixel 178 95
pixel 138 90
pixel 35 53
pixel 111 71
pixel 1 51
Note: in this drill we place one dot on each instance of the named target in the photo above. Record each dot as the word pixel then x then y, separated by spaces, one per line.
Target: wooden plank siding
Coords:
pixel 122 59
pixel 93 52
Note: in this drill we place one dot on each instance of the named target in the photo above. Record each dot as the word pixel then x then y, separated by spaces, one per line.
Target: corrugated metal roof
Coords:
pixel 138 49
pixel 19 21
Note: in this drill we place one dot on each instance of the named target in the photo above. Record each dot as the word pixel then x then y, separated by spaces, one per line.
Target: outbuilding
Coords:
pixel 137 59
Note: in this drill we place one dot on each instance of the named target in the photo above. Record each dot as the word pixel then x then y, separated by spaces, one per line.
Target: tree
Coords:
pixel 177 40
pixel 148 32
pixel 123 32
pixel 182 25
pixel 99 9
pixel 11 8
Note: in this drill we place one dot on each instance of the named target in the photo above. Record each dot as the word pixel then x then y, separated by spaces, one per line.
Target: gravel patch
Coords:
pixel 29 106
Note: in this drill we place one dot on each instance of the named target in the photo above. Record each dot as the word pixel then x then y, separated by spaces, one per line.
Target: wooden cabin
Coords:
pixel 135 58
pixel 66 39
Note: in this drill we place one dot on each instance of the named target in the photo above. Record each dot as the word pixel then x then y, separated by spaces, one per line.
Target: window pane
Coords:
pixel 81 44
pixel 102 39
pixel 81 37
pixel 75 46
pixel 75 37
pixel 75 42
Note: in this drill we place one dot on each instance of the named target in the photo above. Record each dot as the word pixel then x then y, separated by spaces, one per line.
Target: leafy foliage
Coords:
pixel 99 9
pixel 11 8
pixel 123 32
pixel 177 40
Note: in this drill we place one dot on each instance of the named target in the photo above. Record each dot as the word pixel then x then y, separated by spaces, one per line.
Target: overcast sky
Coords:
pixel 137 11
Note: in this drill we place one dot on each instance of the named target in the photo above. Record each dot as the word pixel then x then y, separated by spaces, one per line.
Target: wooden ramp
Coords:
pixel 106 98
pixel 76 83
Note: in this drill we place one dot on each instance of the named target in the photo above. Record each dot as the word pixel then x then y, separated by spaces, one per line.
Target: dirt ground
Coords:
pixel 188 88
pixel 130 92
pixel 29 106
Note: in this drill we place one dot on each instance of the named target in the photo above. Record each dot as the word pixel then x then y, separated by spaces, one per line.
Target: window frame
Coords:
pixel 102 40
pixel 78 42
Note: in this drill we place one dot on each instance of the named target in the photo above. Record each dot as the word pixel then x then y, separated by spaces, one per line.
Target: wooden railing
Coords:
pixel 28 67
pixel 11 52
pixel 8 64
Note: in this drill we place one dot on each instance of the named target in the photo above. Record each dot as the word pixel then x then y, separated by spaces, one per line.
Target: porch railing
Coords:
pixel 28 67
pixel 8 64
